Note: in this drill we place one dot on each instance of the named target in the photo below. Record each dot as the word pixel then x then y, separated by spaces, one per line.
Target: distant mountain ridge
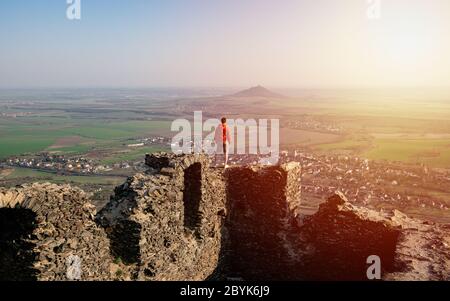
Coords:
pixel 258 91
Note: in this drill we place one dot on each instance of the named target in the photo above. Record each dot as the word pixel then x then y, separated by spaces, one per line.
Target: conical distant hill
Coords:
pixel 258 91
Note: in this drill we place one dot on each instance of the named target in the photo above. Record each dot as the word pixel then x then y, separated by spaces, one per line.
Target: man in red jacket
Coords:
pixel 223 139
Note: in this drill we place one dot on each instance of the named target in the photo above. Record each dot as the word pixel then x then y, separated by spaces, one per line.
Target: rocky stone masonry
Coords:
pixel 262 204
pixel 46 231
pixel 184 220
pixel 337 241
pixel 167 224
pixel 269 240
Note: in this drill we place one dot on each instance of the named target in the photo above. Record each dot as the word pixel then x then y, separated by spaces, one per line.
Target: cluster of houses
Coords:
pixel 313 124
pixel 14 114
pixel 59 163
pixel 366 182
pixel 374 183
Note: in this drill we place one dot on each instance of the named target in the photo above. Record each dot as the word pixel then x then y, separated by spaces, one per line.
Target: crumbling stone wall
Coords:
pixel 183 220
pixel 268 238
pixel 262 204
pixel 339 238
pixel 45 229
pixel 167 224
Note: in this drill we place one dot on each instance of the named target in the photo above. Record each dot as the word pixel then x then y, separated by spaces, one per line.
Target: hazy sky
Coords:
pixel 201 43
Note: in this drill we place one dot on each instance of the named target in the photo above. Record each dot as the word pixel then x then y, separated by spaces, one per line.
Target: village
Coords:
pixel 82 164
pixel 378 185
pixel 314 124
pixel 61 163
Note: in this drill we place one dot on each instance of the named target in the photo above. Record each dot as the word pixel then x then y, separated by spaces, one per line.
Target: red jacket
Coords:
pixel 222 134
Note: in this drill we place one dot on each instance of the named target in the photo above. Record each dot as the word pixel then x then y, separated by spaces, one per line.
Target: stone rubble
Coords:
pixel 262 202
pixel 166 224
pixel 185 220
pixel 340 242
pixel 341 236
pixel 59 224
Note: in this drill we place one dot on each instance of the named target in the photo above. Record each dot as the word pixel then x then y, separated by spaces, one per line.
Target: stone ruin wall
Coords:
pixel 340 236
pixel 269 238
pixel 183 220
pixel 262 205
pixel 45 229
pixel 167 223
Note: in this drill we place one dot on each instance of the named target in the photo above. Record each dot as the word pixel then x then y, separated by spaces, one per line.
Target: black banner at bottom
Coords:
pixel 221 290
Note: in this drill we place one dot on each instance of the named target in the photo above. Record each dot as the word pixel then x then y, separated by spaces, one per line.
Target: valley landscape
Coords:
pixel 96 138
pixel 116 118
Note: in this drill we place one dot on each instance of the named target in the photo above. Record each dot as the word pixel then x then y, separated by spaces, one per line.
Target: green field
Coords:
pixel 350 144
pixel 30 135
pixel 434 152
pixel 410 126
pixel 75 149
pixel 39 176
pixel 10 146
pixel 403 130
pixel 132 154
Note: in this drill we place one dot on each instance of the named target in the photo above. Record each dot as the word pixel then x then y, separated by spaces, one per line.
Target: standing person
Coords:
pixel 223 139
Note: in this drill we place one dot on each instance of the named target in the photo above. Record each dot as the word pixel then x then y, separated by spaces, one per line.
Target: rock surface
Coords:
pixel 166 225
pixel 262 204
pixel 270 241
pixel 183 220
pixel 47 230
pixel 338 240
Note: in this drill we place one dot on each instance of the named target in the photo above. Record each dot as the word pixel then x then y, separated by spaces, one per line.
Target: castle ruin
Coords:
pixel 184 220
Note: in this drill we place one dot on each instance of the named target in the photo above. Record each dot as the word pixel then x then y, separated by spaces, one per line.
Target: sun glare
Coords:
pixel 406 46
